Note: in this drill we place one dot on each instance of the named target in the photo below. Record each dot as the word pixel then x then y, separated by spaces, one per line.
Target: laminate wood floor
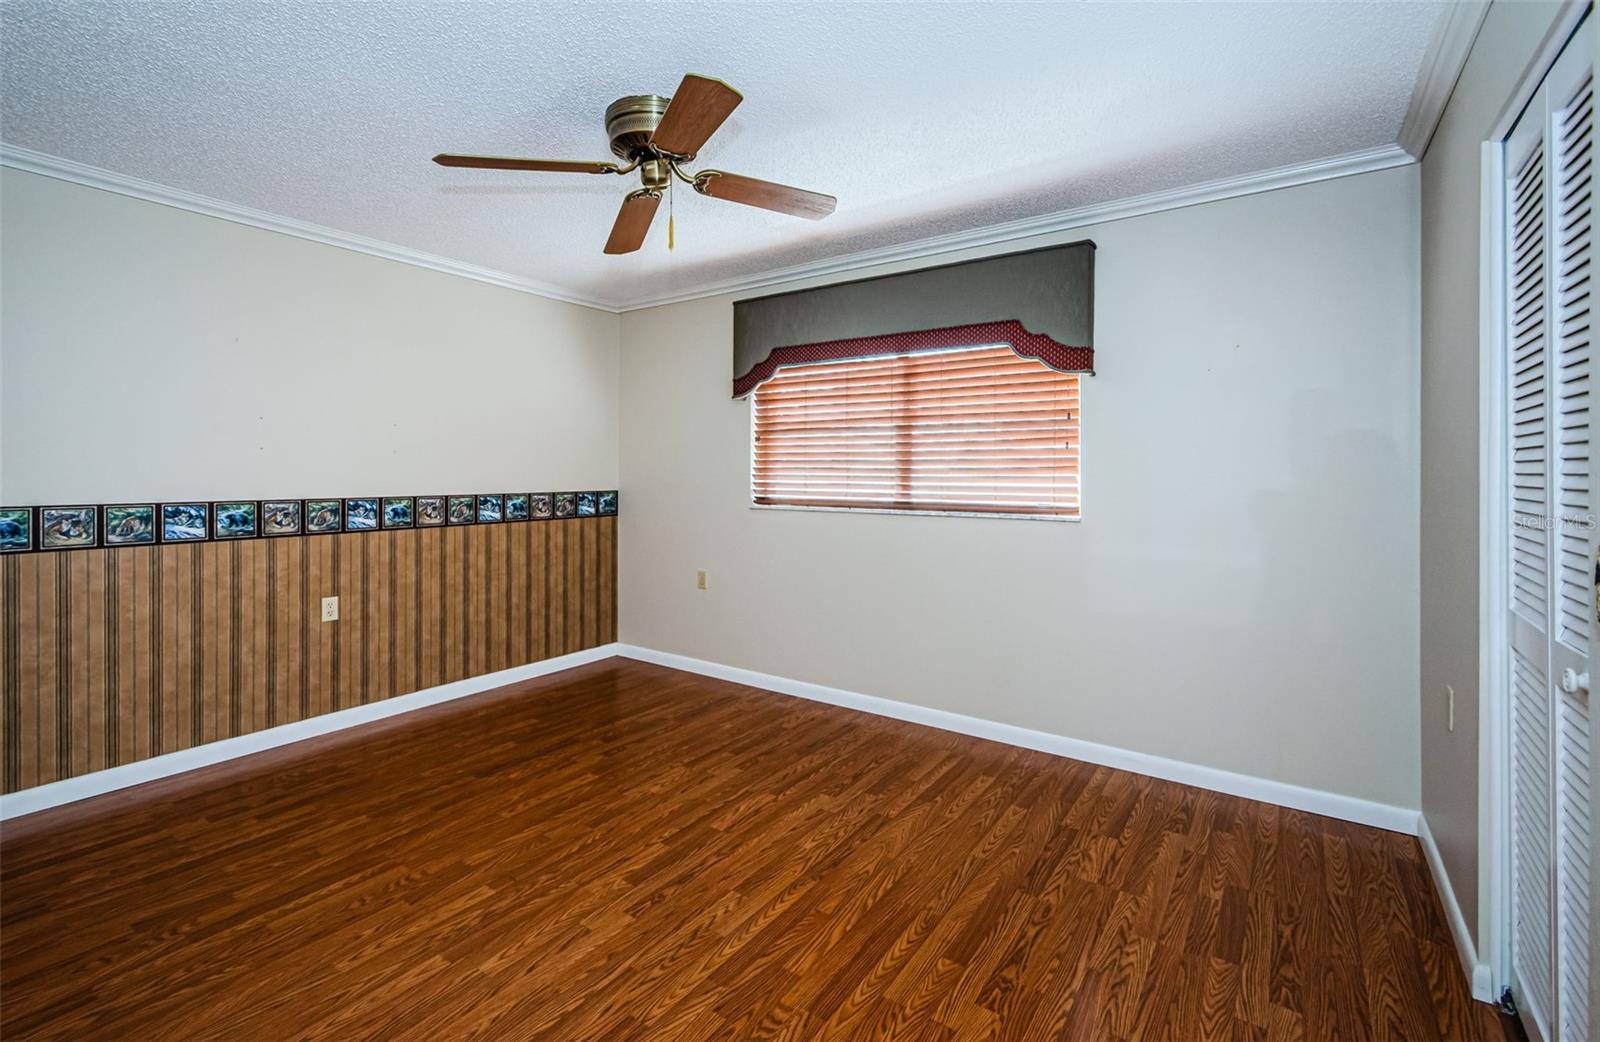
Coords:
pixel 623 851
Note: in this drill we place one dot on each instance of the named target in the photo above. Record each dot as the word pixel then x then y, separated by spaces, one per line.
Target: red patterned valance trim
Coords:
pixel 1061 357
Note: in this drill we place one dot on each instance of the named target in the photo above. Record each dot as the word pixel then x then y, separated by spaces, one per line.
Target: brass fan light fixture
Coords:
pixel 656 136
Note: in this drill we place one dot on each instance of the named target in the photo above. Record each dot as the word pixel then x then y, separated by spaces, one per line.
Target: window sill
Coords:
pixel 985 514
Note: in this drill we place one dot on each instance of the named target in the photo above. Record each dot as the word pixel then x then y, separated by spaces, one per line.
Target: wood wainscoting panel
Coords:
pixel 110 656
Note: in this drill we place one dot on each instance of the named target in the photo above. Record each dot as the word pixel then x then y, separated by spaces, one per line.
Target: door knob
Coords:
pixel 1572 681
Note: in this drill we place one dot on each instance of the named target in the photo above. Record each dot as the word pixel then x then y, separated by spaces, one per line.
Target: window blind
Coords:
pixel 966 430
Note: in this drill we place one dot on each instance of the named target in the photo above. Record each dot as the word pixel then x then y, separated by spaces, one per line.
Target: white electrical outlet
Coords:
pixel 1450 698
pixel 700 580
pixel 330 609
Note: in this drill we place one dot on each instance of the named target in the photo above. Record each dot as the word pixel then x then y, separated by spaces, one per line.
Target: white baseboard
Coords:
pixel 71 790
pixel 1478 975
pixel 1316 801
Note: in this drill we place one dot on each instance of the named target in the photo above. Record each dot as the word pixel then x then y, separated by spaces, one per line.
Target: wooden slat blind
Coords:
pixel 972 430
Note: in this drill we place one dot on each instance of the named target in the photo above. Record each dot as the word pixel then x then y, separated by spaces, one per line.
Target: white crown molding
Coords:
pixel 1382 158
pixel 96 783
pixel 33 162
pixel 1284 794
pixel 1366 161
pixel 1441 66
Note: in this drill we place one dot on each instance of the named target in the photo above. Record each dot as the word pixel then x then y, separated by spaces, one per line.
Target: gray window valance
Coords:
pixel 1039 302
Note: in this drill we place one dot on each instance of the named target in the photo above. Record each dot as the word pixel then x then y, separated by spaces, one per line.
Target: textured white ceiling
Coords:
pixel 923 118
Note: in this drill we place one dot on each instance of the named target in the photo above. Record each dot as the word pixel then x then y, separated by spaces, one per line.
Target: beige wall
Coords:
pixel 1451 216
pixel 153 353
pixel 1241 593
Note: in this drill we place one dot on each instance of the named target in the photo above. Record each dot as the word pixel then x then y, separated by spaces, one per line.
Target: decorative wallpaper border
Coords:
pixel 87 526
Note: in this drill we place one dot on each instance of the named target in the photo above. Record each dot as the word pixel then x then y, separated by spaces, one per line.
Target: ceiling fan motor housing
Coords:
pixel 630 122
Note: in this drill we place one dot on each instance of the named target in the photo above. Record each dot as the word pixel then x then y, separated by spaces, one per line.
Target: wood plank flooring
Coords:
pixel 623 851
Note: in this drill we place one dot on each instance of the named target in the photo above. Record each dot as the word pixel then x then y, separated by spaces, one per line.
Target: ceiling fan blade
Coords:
pixel 554 166
pixel 696 111
pixel 769 195
pixel 633 221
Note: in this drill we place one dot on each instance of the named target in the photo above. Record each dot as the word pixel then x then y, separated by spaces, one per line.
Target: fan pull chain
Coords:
pixel 670 195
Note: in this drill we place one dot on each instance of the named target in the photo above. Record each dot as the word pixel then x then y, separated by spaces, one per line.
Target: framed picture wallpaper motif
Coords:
pixel 88 526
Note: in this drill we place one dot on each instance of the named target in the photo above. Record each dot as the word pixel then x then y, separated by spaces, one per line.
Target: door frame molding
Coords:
pixel 1493 972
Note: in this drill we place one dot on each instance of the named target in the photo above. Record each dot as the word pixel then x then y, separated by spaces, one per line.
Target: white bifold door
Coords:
pixel 1550 310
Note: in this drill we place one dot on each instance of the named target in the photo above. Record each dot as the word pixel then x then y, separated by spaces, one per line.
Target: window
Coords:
pixel 972 430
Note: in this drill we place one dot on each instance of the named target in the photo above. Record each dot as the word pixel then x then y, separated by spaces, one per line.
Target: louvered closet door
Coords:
pixel 1528 388
pixel 1552 585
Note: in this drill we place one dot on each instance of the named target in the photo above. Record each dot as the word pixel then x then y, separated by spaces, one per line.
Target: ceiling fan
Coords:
pixel 656 136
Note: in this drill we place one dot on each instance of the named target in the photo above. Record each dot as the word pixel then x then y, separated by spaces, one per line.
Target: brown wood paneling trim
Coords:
pixel 115 655
pixel 10 678
pixel 608 578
